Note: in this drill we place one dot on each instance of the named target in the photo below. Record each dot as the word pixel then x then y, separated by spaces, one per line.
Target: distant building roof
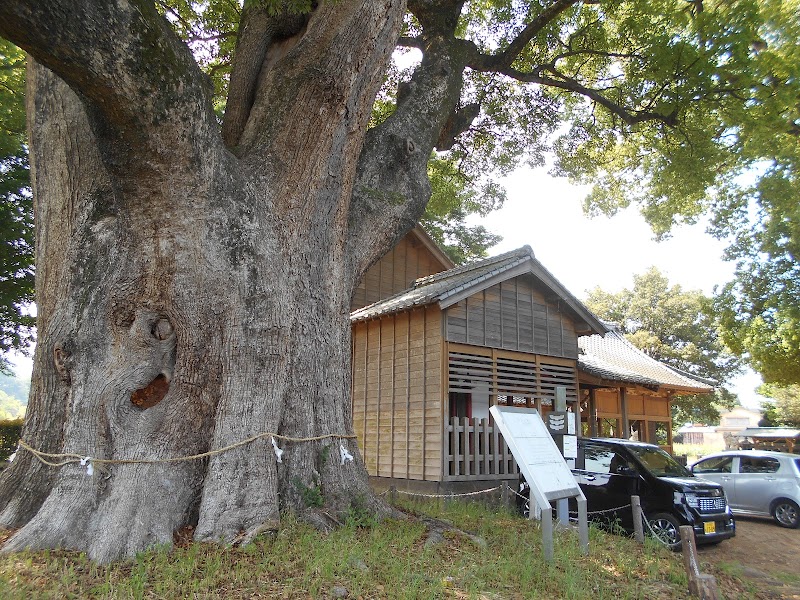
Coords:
pixel 612 357
pixel 691 428
pixel 448 287
pixel 770 432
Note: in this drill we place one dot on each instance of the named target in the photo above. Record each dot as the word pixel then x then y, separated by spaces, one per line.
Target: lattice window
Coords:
pixel 555 375
pixel 513 381
pixel 468 371
pixel 516 377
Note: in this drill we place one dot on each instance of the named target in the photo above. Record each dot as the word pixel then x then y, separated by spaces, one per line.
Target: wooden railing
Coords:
pixel 474 450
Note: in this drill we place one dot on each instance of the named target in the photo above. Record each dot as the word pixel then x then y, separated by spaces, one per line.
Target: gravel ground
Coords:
pixel 763 554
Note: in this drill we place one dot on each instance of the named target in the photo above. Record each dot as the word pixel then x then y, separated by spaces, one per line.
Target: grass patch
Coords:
pixel 391 560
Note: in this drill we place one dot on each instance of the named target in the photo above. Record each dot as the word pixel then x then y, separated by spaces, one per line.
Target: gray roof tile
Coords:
pixel 439 286
pixel 614 358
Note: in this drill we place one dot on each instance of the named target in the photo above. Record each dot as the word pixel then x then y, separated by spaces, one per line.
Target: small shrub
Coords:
pixel 311 494
pixel 10 433
pixel 359 515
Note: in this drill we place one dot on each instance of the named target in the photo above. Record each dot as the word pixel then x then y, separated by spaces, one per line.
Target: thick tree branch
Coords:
pixel 411 42
pixel 630 117
pixel 505 59
pixel 258 30
pixel 392 188
pixel 139 81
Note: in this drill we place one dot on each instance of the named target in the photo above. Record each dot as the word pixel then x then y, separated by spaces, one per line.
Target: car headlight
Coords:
pixel 689 498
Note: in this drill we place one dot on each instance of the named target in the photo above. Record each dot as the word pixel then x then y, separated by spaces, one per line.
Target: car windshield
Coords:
pixel 659 463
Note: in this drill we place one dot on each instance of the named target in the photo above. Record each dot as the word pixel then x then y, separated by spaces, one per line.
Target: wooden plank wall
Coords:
pixel 607 403
pixel 513 315
pixel 397 394
pixel 395 272
pixel 642 406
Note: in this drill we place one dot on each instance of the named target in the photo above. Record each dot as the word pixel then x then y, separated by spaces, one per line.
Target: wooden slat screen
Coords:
pixel 516 377
pixel 527 376
pixel 466 371
pixel 554 375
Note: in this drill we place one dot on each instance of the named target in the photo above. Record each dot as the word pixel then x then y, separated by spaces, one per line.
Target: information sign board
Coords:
pixel 536 453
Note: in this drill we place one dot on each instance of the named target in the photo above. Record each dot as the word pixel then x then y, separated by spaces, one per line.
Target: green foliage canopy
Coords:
pixel 662 104
pixel 678 328
pixel 727 74
pixel 785 407
pixel 16 208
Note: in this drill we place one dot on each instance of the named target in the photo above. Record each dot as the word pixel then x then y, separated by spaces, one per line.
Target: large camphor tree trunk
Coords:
pixel 194 292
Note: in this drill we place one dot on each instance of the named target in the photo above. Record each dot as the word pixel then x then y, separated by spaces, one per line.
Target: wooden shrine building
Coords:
pixel 626 393
pixel 434 346
pixel 429 361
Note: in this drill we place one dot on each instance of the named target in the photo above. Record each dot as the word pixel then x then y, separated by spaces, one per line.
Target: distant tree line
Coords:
pixel 678 328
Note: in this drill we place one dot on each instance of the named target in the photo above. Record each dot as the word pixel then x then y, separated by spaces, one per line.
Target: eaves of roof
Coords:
pixel 611 373
pixel 770 432
pixel 613 358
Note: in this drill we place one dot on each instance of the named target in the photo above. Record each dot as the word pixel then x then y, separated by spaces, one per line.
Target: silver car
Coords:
pixel 757 482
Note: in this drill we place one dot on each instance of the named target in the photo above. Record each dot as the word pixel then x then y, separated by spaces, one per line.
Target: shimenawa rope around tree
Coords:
pixel 48 458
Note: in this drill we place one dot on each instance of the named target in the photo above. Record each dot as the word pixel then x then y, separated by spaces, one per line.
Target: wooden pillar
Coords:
pixel 623 407
pixel 701 585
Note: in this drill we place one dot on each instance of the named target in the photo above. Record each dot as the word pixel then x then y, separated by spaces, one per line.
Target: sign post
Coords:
pixel 561 425
pixel 543 467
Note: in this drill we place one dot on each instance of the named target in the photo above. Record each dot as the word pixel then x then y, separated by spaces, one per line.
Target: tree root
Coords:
pixel 245 537
pixel 437 528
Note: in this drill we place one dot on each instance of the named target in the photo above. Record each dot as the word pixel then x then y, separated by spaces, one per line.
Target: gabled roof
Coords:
pixel 426 240
pixel 451 286
pixel 614 359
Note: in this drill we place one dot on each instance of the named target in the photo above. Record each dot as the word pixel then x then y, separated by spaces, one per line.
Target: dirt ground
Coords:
pixel 763 554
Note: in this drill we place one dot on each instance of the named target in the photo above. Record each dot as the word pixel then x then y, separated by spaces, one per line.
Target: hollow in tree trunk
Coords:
pixel 194 293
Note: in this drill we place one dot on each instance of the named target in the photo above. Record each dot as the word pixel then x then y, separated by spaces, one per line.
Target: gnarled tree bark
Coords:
pixel 188 298
pixel 193 288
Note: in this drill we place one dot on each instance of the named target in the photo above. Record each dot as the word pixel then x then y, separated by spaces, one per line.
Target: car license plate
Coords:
pixel 709 527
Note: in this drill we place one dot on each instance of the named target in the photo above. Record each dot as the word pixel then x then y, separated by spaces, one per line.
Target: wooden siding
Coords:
pixel 397 394
pixel 639 405
pixel 513 315
pixel 607 403
pixel 396 271
pixel 643 412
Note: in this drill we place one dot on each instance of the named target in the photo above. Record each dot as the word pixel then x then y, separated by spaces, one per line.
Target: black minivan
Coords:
pixel 613 470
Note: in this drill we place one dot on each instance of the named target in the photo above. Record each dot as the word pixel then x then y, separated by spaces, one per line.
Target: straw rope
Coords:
pixel 61 459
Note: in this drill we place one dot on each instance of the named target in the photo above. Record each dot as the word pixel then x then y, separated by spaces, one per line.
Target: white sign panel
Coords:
pixel 570 443
pixel 536 453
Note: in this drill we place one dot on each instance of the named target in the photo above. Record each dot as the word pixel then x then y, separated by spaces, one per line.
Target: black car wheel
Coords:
pixel 786 513
pixel 666 528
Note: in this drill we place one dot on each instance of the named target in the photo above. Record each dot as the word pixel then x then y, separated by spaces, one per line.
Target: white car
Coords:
pixel 757 482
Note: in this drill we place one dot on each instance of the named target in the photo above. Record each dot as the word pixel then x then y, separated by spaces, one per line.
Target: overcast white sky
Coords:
pixel 545 213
